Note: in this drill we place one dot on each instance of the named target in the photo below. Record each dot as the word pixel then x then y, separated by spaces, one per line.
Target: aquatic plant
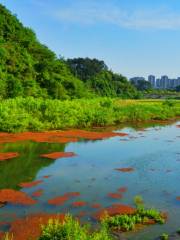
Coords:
pixel 138 200
pixel 164 236
pixel 151 214
pixel 71 229
pixel 128 222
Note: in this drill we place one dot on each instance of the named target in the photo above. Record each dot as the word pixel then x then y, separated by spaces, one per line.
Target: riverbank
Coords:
pixel 29 114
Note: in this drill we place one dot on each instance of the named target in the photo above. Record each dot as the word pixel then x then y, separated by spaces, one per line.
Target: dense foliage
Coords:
pixel 128 222
pixel 71 229
pixel 22 114
pixel 142 85
pixel 29 68
pixel 96 75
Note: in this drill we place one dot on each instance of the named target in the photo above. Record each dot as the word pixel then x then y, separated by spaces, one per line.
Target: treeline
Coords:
pixel 29 68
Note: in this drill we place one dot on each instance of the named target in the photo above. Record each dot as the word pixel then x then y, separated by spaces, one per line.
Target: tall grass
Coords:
pixel 71 229
pixel 22 114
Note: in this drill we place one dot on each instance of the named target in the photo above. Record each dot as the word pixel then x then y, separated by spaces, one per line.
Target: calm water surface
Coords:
pixel 153 153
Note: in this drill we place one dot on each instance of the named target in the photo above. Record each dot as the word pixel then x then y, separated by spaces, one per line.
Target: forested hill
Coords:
pixel 28 68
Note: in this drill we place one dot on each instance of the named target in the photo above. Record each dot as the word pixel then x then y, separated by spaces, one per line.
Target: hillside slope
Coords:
pixel 29 68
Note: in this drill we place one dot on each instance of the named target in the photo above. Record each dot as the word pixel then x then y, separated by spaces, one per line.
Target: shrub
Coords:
pixel 71 229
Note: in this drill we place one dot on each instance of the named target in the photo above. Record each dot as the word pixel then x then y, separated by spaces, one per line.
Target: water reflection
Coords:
pixel 151 150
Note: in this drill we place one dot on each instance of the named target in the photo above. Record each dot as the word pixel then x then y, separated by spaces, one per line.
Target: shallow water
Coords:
pixel 154 154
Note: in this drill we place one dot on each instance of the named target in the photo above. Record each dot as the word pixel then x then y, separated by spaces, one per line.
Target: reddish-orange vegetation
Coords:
pixel 81 214
pixel 72 194
pixel 1 235
pixel 58 201
pixel 92 135
pixel 50 137
pixel 115 209
pixel 15 197
pixel 125 169
pixel 79 204
pixel 150 222
pixel 115 195
pixel 57 155
pixel 7 156
pixel 96 205
pixel 30 227
pixel 48 176
pixel 30 184
pixel 37 193
pixel 178 198
pixel 122 189
pixel 57 136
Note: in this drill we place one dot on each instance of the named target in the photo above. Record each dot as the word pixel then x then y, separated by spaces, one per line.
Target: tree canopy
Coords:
pixel 29 68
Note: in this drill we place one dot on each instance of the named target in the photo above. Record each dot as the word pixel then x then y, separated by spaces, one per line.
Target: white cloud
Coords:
pixel 93 12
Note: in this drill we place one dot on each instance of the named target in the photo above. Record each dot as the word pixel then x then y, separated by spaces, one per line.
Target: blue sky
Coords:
pixel 134 37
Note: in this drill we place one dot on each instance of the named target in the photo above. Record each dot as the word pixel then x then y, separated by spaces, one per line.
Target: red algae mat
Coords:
pixel 15 197
pixel 79 204
pixel 125 169
pixel 115 209
pixel 30 184
pixel 7 156
pixel 37 193
pixel 72 194
pixel 122 189
pixel 96 205
pixel 57 155
pixel 60 200
pixel 30 227
pixel 115 195
pixel 57 136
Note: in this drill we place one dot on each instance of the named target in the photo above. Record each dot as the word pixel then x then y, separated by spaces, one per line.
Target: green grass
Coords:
pixel 71 229
pixel 22 114
pixel 164 236
pixel 128 222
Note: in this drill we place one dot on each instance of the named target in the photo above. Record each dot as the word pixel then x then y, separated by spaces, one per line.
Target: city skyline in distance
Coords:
pixel 158 83
pixel 156 76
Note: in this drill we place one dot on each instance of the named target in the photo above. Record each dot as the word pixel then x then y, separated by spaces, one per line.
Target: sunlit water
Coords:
pixel 153 153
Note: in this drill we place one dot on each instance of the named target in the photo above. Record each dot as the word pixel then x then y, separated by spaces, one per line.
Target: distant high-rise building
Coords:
pixel 152 80
pixel 164 82
pixel 178 81
pixel 158 83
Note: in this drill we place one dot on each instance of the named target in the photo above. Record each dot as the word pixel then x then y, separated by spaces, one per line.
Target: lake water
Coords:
pixel 153 152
